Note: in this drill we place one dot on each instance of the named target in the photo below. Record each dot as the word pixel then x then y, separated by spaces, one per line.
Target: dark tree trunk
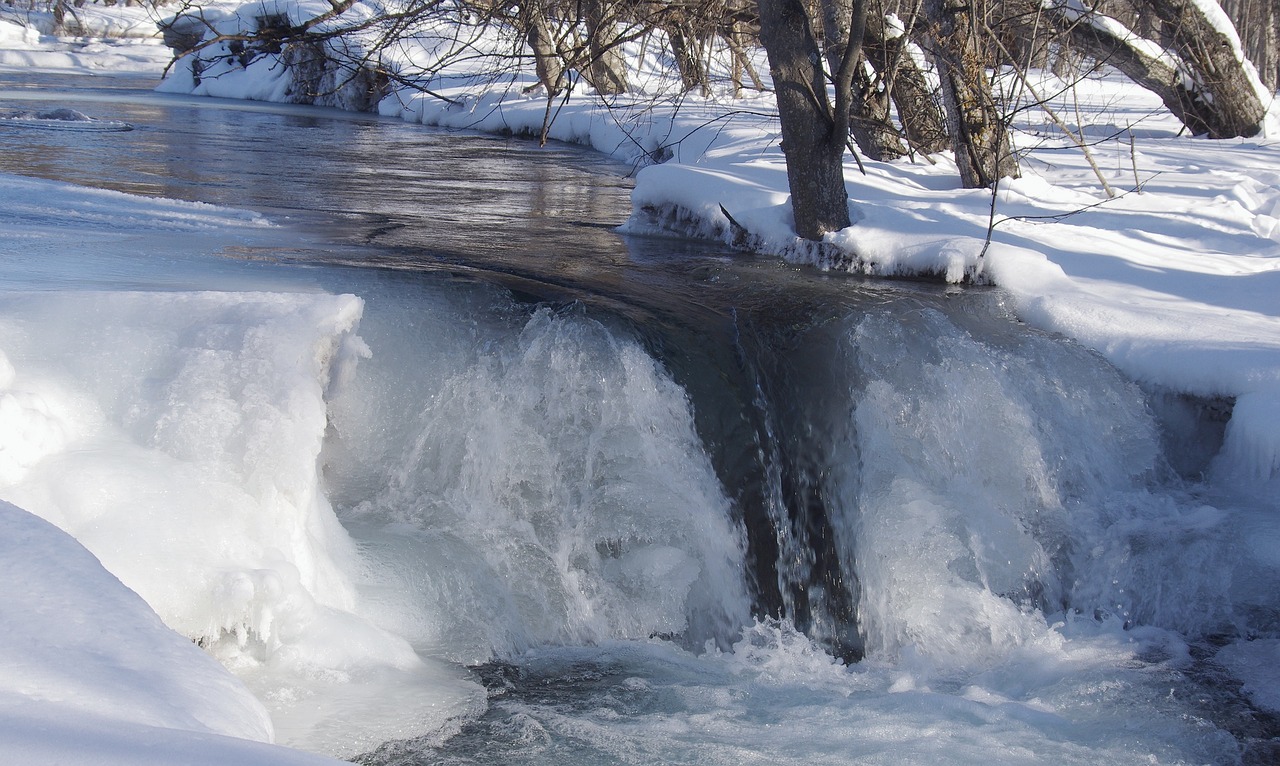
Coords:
pixel 813 138
pixel 869 121
pixel 59 17
pixel 1258 22
pixel 922 118
pixel 1223 99
pixel 977 130
pixel 684 49
pixel 547 61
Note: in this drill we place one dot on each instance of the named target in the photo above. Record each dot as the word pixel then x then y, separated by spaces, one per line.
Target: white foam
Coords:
pixel 532 483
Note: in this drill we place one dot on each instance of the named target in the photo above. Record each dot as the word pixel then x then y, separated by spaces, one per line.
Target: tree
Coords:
pixel 979 135
pixel 547 60
pixel 889 52
pixel 1197 68
pixel 607 70
pixel 814 128
pixel 1258 22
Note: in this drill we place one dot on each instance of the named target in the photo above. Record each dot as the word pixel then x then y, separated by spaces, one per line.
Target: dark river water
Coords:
pixel 665 502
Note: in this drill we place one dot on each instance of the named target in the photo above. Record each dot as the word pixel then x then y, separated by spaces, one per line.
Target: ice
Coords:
pixel 61 119
pixel 1252 448
pixel 177 435
pixel 92 676
pixel 1257 665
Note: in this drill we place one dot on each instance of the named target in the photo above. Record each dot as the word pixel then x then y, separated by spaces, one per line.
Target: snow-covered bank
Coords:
pixel 92 676
pixel 176 432
pixel 1175 281
pixel 103 40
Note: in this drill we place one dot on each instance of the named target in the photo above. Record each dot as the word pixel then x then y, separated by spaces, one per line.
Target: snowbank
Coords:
pixel 92 676
pixel 176 434
pixel 98 39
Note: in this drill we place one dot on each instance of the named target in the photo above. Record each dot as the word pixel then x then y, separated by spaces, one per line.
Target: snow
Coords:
pixel 134 44
pixel 1175 282
pixel 92 676
pixel 176 433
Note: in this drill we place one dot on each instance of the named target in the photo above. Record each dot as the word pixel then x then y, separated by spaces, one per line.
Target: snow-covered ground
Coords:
pixel 111 39
pixel 1176 282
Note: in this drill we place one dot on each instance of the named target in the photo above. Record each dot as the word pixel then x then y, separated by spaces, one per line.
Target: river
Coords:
pixel 641 499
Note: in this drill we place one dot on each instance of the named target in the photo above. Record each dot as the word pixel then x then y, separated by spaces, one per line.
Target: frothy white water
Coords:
pixel 528 480
pixel 513 481
pixel 778 698
pixel 1003 483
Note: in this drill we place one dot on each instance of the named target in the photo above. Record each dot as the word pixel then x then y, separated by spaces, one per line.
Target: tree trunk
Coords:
pixel 922 120
pixel 1205 39
pixel 607 71
pixel 685 51
pixel 1199 78
pixel 1258 22
pixel 869 121
pixel 812 138
pixel 922 117
pixel 741 64
pixel 59 17
pixel 546 59
pixel 978 133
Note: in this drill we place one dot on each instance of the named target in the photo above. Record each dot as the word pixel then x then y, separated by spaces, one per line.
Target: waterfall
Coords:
pixel 950 484
pixel 531 479
pixel 591 511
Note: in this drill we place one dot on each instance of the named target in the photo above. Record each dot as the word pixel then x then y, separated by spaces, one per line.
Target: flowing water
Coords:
pixel 609 499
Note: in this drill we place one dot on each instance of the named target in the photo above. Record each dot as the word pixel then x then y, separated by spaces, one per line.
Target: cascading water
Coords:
pixel 540 478
pixel 944 483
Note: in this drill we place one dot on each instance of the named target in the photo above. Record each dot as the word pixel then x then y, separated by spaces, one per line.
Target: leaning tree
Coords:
pixel 1188 53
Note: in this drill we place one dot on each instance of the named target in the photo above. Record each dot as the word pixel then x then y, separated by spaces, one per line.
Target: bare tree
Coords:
pixel 548 60
pixel 889 52
pixel 814 127
pixel 1258 22
pixel 607 70
pixel 978 132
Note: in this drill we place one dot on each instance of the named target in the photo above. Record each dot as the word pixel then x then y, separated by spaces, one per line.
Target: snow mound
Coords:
pixel 91 671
